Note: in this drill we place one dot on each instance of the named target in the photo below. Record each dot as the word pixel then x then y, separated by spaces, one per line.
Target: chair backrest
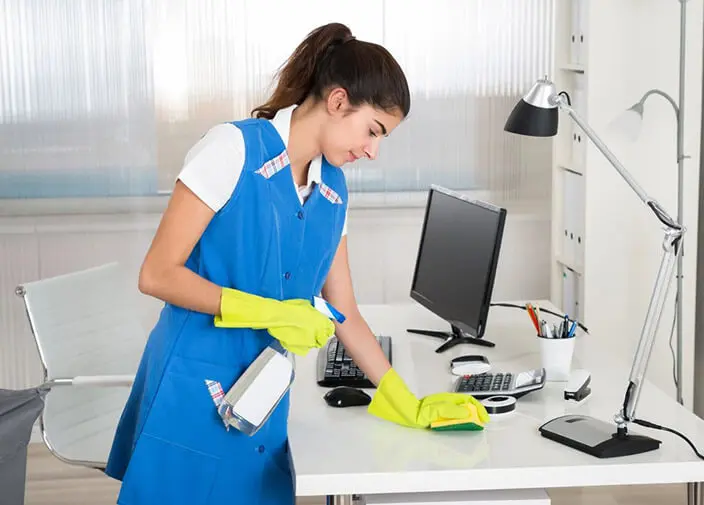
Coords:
pixel 85 324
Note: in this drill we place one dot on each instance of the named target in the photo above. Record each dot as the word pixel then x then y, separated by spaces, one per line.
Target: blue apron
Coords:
pixel 170 445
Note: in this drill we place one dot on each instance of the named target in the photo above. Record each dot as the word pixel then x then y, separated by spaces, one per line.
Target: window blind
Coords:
pixel 104 97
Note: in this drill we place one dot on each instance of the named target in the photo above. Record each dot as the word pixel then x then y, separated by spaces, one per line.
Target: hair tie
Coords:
pixel 338 42
pixel 329 50
pixel 334 45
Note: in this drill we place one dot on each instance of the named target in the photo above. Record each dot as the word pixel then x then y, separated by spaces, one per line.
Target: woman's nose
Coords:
pixel 372 149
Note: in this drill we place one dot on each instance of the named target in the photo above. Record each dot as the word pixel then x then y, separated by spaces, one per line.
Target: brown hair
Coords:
pixel 330 56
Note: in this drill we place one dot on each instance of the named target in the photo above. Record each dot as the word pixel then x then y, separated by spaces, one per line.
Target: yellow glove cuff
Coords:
pixel 244 310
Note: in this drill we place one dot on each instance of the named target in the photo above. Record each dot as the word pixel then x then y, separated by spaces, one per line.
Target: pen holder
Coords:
pixel 556 355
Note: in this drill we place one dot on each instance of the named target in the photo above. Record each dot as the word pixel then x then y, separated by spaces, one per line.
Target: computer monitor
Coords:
pixel 456 264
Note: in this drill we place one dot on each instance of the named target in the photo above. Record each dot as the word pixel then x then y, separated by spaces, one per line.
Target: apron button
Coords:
pixel 287 275
pixel 260 448
pixel 300 214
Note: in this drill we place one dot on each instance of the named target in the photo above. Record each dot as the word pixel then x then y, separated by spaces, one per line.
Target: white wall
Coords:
pixel 382 244
pixel 634 47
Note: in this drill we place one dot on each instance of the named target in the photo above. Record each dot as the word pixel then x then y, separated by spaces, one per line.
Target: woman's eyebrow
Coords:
pixel 383 128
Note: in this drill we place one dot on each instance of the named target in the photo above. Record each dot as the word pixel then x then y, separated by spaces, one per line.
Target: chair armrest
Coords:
pixel 103 380
pixel 91 380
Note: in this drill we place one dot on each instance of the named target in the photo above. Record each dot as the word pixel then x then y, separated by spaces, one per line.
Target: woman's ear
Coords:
pixel 338 102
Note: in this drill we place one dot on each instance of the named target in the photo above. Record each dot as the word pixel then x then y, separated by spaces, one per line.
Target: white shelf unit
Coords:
pixel 611 265
pixel 569 159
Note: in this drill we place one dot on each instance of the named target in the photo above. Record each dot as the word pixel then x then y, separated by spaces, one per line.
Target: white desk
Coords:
pixel 347 451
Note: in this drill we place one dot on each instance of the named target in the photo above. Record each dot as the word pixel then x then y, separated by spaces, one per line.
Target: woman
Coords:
pixel 256 226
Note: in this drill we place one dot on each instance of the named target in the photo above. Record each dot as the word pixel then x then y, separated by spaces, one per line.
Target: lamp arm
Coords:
pixel 665 96
pixel 671 248
pixel 660 213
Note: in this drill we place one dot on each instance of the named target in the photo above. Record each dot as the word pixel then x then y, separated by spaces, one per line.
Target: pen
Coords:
pixel 572 329
pixel 565 327
pixel 548 333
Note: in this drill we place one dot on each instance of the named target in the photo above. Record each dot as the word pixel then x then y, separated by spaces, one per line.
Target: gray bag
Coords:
pixel 18 412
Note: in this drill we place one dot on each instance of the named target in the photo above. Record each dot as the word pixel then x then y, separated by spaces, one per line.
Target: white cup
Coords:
pixel 556 355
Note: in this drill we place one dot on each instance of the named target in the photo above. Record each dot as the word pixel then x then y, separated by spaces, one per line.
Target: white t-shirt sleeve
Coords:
pixel 344 226
pixel 213 165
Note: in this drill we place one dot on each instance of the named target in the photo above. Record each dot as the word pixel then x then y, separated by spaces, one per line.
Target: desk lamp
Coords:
pixel 537 115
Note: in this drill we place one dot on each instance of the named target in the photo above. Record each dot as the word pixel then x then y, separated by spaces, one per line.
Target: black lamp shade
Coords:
pixel 527 119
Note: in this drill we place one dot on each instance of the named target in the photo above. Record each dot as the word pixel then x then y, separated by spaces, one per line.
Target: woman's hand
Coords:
pixel 394 402
pixel 295 323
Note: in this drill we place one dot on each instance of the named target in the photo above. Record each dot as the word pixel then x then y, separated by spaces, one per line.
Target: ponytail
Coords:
pixel 331 56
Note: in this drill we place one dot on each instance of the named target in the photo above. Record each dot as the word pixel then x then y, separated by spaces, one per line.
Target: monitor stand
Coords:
pixel 452 338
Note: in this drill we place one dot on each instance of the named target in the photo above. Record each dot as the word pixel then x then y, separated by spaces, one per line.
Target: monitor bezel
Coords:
pixel 463 326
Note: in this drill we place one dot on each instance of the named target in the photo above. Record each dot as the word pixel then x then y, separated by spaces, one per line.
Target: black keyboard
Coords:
pixel 336 368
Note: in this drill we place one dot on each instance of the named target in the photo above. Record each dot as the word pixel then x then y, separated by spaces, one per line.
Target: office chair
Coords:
pixel 90 341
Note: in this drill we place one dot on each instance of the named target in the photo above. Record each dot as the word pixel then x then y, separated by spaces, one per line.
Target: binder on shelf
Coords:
pixel 568 250
pixel 570 293
pixel 573 218
pixel 583 20
pixel 578 161
pixel 578 32
pixel 575 57
pixel 579 140
pixel 580 213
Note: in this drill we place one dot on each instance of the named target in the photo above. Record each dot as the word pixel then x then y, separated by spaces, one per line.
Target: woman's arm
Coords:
pixel 163 274
pixel 358 339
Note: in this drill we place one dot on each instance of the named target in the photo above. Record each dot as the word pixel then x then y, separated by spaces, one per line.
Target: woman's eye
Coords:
pixel 371 132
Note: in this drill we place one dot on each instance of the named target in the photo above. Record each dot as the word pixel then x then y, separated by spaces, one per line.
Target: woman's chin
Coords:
pixel 339 161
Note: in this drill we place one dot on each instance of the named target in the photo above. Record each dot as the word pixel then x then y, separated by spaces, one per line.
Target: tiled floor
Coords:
pixel 51 482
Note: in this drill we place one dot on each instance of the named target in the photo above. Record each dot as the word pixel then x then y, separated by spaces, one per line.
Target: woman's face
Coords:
pixel 354 132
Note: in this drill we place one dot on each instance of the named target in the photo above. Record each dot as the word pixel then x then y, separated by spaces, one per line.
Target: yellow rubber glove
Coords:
pixel 297 339
pixel 295 323
pixel 394 402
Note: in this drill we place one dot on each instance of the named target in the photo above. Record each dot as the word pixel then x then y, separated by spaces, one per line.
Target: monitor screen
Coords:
pixel 457 258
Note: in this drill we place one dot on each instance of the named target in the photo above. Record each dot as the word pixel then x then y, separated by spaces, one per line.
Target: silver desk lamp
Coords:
pixel 537 115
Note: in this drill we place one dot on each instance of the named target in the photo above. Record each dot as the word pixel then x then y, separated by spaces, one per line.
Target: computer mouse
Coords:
pixel 345 396
pixel 470 365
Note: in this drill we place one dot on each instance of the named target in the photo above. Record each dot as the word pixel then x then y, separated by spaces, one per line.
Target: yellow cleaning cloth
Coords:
pixel 471 422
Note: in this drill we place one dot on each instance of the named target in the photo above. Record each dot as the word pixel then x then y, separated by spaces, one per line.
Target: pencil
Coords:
pixel 533 317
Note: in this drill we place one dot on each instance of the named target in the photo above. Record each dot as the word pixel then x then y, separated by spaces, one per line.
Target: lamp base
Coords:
pixel 595 437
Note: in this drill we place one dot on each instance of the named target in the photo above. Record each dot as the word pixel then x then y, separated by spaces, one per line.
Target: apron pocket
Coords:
pixel 162 472
pixel 184 412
